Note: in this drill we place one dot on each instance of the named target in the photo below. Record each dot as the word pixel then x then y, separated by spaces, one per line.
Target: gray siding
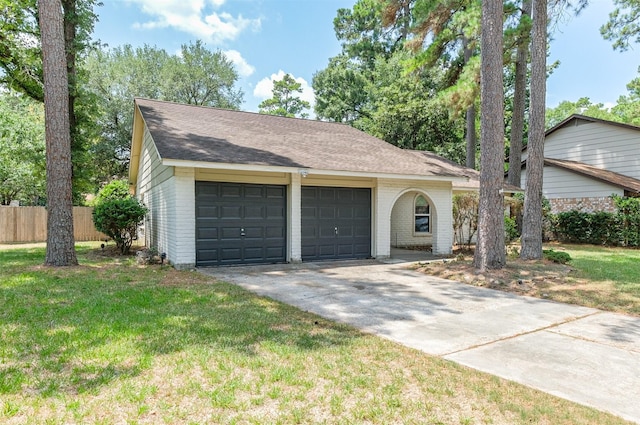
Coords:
pixel 601 145
pixel 560 183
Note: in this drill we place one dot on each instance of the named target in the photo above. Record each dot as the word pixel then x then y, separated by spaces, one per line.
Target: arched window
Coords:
pixel 422 215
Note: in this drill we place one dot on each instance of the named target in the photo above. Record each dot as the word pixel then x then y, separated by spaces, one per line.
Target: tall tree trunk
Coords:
pixel 470 128
pixel 519 97
pixel 70 22
pixel 60 241
pixel 532 220
pixel 490 249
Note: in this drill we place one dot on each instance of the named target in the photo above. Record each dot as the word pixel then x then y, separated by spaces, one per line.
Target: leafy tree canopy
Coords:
pixel 623 27
pixel 284 102
pixel 22 150
pixel 582 106
pixel 115 76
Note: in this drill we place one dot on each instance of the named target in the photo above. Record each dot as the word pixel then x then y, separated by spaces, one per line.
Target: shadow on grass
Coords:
pixel 73 330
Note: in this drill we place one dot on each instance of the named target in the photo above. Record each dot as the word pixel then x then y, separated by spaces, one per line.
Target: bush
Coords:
pixel 465 217
pixel 119 219
pixel 556 256
pixel 117 189
pixel 599 228
pixel 510 229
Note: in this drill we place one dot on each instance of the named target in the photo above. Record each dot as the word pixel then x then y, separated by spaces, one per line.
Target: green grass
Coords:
pixel 112 342
pixel 607 278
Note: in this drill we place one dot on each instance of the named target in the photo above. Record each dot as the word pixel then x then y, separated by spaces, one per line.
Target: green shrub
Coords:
pixel 599 228
pixel 510 229
pixel 556 256
pixel 119 219
pixel 117 189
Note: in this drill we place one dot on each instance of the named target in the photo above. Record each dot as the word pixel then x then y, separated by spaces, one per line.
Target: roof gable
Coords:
pixel 204 134
pixel 577 119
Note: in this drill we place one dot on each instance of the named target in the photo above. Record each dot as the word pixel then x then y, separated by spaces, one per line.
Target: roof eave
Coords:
pixel 310 171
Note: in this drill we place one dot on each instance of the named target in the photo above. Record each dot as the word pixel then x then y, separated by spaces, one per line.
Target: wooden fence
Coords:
pixel 29 224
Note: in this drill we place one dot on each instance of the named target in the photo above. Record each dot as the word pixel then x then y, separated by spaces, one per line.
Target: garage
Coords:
pixel 239 223
pixel 336 223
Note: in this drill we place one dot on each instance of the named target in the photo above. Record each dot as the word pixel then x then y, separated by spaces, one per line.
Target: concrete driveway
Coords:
pixel 578 353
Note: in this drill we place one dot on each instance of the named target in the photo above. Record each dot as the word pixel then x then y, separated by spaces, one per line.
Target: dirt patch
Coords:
pixel 535 278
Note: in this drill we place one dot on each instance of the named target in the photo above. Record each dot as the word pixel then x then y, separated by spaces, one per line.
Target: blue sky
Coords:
pixel 267 38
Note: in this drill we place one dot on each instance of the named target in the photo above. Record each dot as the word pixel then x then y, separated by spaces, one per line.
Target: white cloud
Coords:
pixel 264 88
pixel 242 66
pixel 195 17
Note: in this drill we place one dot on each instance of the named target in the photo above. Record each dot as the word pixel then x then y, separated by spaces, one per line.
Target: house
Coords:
pixel 586 160
pixel 231 187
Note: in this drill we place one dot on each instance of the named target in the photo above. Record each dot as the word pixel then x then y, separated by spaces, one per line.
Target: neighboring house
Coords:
pixel 230 187
pixel 586 161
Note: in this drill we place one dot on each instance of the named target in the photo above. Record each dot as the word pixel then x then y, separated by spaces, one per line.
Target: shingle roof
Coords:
pixel 578 117
pixel 452 167
pixel 620 180
pixel 196 133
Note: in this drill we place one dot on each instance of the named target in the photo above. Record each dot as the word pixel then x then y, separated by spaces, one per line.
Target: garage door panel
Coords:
pixel 207 233
pixel 233 191
pixel 274 192
pixel 326 213
pixel 254 212
pixel 308 212
pixel 253 191
pixel 230 211
pixel 207 211
pixel 273 232
pixel 246 223
pixel 325 209
pixel 254 232
pixel 276 212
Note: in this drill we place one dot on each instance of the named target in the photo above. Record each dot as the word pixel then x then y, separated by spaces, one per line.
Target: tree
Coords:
pixel 22 150
pixel 627 109
pixel 203 77
pixel 519 95
pixel 531 240
pixel 21 63
pixel 115 76
pixel 623 27
pixel 60 239
pixel 490 247
pixel 582 106
pixel 284 101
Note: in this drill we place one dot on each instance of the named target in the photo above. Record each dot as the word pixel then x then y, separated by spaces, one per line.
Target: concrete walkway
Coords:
pixel 578 353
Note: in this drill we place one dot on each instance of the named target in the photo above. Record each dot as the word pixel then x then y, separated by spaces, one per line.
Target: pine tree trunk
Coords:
pixel 60 241
pixel 532 220
pixel 490 249
pixel 470 128
pixel 519 100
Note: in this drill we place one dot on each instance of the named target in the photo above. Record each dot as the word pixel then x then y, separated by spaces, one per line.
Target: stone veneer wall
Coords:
pixel 582 204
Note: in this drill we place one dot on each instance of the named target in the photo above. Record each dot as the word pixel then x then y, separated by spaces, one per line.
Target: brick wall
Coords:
pixel 582 204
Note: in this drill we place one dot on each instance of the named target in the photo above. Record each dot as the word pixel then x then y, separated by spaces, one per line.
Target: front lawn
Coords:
pixel 112 342
pixel 599 277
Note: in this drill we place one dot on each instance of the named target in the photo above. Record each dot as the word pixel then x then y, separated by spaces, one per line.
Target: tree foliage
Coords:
pixel 623 27
pixel 22 150
pixel 285 102
pixel 21 65
pixel 116 76
pixel 368 85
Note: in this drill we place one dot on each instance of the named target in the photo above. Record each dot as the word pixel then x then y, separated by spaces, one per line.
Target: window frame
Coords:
pixel 417 215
